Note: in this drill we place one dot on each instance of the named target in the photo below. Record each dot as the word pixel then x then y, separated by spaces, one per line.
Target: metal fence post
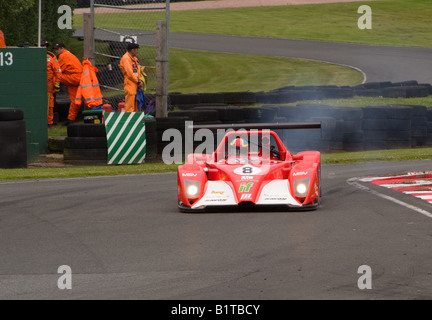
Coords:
pixel 89 37
pixel 161 69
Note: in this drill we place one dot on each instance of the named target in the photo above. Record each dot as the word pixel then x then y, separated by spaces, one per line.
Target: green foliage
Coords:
pixel 50 17
pixel 20 18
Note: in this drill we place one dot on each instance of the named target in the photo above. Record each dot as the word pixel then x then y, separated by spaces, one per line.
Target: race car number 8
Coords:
pixel 247 170
pixel 6 59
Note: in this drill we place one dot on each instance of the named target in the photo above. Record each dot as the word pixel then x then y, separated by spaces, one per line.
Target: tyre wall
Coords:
pixel 343 128
pixel 289 94
pixel 13 140
pixel 86 143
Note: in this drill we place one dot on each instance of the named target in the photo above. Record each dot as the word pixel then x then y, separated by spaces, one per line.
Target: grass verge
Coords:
pixel 91 171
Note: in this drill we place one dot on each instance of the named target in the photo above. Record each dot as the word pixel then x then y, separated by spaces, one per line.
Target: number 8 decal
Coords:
pixel 247 170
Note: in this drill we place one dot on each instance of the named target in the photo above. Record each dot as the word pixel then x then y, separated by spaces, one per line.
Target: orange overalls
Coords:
pixel 71 71
pixel 2 40
pixel 131 72
pixel 89 90
pixel 53 68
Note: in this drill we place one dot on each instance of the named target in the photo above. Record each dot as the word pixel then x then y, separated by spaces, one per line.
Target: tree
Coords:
pixel 19 21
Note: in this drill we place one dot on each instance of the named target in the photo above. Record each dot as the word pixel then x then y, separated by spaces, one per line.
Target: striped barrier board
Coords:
pixel 126 138
pixel 417 184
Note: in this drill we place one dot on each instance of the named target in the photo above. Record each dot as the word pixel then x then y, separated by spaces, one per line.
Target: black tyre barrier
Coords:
pixel 11 114
pixel 163 124
pixel 343 128
pixel 398 135
pixel 429 114
pixel 179 100
pixel 171 122
pixel 220 109
pixel 399 124
pixel 195 115
pixel 394 92
pixel 290 94
pixel 368 92
pixel 85 143
pixel 418 91
pixel 375 135
pixel 374 124
pixel 375 144
pixel 239 97
pixel 151 138
pixel 350 114
pixel 233 115
pixel 419 129
pixel 400 112
pixel 429 134
pixel 86 130
pixel 420 111
pixel 374 85
pixel 259 114
pixel 375 112
pixel 13 144
pixel 405 83
pixel 328 126
pixel 211 98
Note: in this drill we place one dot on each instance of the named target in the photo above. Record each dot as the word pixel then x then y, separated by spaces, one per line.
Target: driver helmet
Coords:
pixel 240 146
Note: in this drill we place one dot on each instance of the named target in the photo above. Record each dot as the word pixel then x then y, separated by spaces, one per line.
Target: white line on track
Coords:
pixel 353 182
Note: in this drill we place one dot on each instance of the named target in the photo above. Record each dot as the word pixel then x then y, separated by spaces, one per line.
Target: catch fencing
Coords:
pixel 117 22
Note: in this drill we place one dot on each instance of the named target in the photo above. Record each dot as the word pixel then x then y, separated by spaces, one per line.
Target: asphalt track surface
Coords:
pixel 123 238
pixel 377 63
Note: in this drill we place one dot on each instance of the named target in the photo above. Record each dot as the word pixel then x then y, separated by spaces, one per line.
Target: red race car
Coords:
pixel 251 169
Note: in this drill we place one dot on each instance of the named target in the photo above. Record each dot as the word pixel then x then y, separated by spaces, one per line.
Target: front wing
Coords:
pixel 219 193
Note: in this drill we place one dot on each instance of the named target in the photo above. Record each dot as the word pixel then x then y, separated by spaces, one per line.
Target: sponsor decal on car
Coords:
pixel 301 173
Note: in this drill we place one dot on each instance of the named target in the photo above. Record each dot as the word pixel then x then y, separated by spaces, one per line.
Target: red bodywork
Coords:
pixel 267 176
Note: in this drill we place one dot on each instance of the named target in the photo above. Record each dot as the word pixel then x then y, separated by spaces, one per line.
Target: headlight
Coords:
pixel 192 188
pixel 301 187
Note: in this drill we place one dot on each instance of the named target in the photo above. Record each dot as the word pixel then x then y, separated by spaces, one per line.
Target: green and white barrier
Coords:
pixel 126 138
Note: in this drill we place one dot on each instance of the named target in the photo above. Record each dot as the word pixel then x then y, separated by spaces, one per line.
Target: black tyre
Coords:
pixel 13 144
pixel 196 115
pixel 374 124
pixel 11 114
pixel 241 98
pixel 400 112
pixel 86 130
pixel 420 111
pixel 85 143
pixel 398 124
pixel 375 112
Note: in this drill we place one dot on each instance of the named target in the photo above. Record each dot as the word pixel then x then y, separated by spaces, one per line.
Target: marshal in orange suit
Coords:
pixel 71 72
pixel 131 70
